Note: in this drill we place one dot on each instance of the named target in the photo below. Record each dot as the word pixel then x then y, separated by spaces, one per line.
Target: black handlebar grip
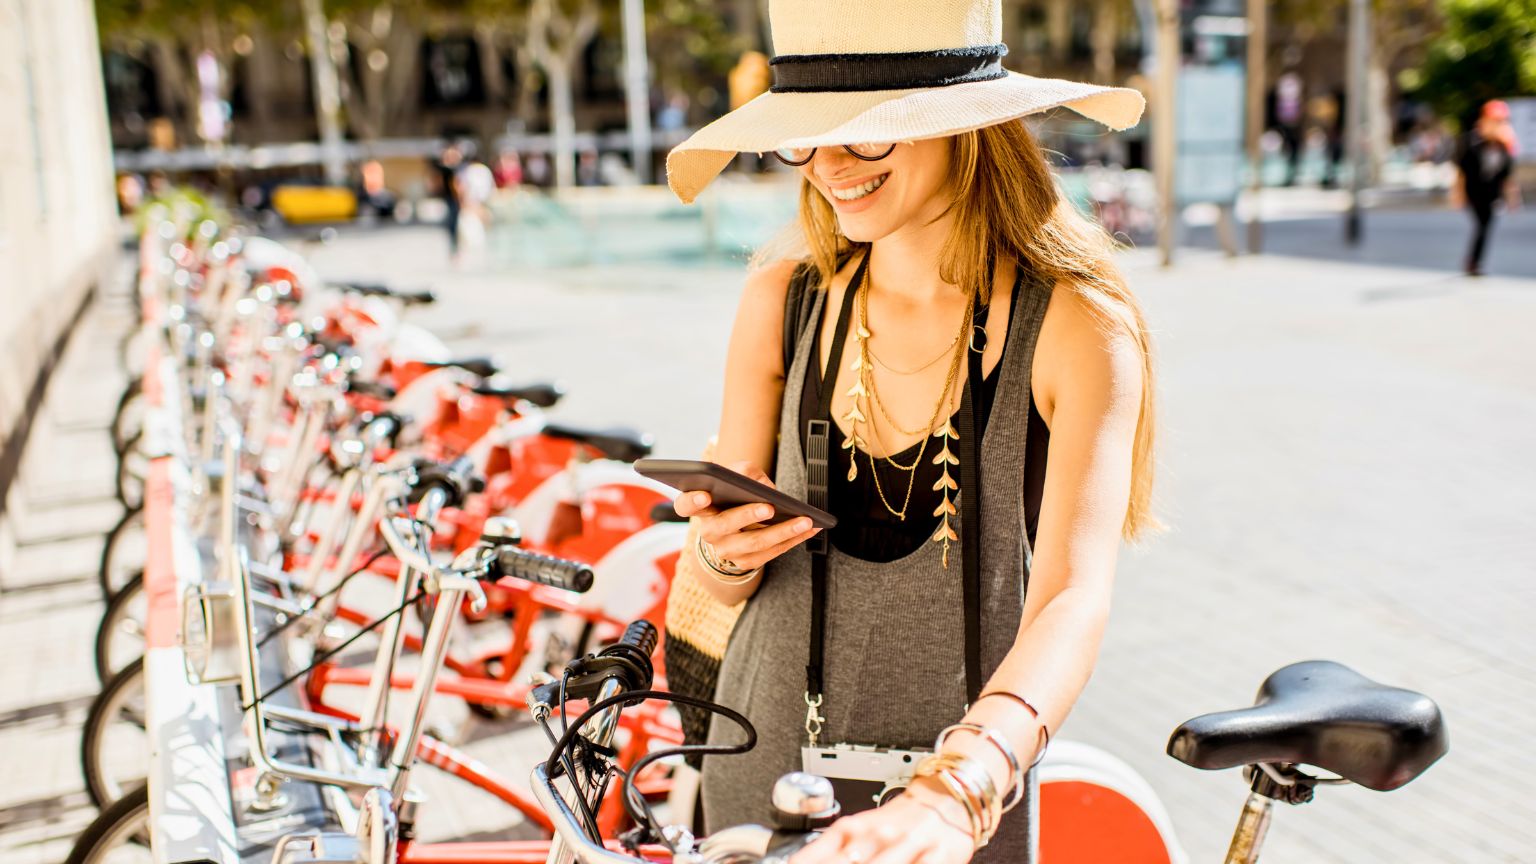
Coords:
pixel 640 635
pixel 544 570
pixel 457 478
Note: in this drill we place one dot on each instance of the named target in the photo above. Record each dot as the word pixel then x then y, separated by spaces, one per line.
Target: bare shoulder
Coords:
pixel 767 285
pixel 1088 347
pixel 760 315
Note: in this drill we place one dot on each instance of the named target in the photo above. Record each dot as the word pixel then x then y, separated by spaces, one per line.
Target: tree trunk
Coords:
pixel 557 41
pixel 170 81
pixel 1378 145
pixel 1106 29
pixel 1058 28
pixel 562 122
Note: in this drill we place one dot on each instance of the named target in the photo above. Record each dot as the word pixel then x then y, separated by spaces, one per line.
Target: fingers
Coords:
pixel 726 523
pixel 899 833
pixel 690 504
pixel 753 549
pixel 747 469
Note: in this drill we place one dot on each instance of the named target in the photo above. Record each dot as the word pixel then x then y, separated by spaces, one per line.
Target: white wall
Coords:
pixel 58 216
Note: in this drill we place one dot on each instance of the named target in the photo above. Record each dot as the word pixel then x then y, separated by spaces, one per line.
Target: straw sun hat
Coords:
pixel 872 71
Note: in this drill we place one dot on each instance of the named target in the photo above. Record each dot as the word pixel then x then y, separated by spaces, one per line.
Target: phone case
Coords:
pixel 729 488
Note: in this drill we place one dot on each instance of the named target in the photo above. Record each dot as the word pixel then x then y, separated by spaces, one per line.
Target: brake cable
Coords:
pixel 315 603
pixel 324 656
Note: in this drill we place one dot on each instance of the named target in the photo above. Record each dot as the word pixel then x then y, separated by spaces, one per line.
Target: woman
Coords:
pixel 1486 175
pixel 979 377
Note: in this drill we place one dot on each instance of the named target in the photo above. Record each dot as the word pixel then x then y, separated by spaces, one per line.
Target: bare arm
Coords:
pixel 749 422
pixel 1091 386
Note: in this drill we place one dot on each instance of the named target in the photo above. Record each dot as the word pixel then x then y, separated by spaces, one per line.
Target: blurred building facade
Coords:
pixel 461 73
pixel 58 216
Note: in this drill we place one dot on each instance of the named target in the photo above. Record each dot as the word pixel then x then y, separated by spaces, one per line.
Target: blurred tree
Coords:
pixel 1487 51
pixel 1399 31
pixel 376 48
pixel 695 47
pixel 177 32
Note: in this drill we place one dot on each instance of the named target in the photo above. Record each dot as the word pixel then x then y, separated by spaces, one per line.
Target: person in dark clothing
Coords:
pixel 447 166
pixel 1486 168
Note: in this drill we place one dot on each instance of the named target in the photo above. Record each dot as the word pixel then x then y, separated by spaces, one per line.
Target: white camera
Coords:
pixel 863 776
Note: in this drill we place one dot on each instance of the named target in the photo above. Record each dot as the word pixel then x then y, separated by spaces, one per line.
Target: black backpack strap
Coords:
pixel 797 309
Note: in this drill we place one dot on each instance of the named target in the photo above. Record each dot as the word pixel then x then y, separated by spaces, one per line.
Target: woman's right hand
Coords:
pixel 736 535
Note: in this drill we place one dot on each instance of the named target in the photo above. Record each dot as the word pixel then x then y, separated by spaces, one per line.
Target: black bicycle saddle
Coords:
pixel 618 442
pixel 544 394
pixel 483 367
pixel 1323 714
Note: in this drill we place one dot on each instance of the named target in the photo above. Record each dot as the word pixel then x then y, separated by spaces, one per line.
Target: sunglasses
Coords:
pixel 798 156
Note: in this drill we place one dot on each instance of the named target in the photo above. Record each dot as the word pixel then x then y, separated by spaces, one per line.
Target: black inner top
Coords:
pixel 865 528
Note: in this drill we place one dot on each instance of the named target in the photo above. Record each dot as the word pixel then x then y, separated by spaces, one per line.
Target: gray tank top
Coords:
pixel 895 665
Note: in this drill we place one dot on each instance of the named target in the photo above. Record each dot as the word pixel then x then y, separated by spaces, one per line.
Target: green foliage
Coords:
pixel 116 19
pixel 1487 51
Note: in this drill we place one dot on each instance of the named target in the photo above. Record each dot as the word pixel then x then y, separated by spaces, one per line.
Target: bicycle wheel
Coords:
pixel 118 835
pixel 114 746
pixel 123 554
pixel 132 470
pixel 128 419
pixel 120 637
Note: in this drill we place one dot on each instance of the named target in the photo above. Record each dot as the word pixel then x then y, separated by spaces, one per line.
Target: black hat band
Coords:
pixel 907 70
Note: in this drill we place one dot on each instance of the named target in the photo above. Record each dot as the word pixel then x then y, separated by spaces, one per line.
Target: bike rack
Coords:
pixel 216 793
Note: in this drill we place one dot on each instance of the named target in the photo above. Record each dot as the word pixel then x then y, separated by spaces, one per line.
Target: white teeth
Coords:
pixel 854 193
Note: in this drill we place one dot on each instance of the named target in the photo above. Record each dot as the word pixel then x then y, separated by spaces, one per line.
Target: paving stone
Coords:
pixel 1345 470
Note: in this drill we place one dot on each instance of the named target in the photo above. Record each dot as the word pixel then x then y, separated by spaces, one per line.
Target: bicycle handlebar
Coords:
pixel 641 636
pixel 545 570
pixel 457 479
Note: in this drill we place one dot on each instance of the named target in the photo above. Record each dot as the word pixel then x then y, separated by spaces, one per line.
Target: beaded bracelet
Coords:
pixel 991 736
pixel 706 556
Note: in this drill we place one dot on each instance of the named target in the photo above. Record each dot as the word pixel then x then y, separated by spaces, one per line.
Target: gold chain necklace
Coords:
pixel 862 389
pixel 923 368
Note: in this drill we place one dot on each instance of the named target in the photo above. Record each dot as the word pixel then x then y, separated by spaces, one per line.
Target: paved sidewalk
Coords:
pixel 1345 468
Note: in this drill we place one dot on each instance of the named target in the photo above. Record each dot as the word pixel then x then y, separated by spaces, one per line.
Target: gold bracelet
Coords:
pixel 980 793
pixel 1035 712
pixel 991 736
pixel 956 791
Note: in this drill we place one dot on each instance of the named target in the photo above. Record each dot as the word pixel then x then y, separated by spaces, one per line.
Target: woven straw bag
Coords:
pixel 697 629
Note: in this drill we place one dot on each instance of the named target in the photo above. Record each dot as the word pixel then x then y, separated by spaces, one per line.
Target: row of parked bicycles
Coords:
pixel 332 524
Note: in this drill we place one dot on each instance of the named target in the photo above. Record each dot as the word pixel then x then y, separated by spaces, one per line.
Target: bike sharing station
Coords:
pixel 289 441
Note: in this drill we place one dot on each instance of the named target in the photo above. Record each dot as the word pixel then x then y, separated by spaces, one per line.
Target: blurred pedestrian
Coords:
pixel 447 167
pixel 537 170
pixel 1289 110
pixel 508 170
pixel 587 173
pixel 1486 175
pixel 477 184
pixel 376 200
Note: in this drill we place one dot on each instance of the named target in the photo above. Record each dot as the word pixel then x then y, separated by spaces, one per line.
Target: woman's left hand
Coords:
pixel 923 825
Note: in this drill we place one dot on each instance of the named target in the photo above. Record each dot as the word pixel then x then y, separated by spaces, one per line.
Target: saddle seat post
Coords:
pixel 1268 784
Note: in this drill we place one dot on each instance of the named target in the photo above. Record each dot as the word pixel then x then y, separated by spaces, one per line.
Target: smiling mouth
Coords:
pixel 854 193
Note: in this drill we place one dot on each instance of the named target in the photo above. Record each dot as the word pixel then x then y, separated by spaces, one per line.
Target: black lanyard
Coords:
pixel 817 457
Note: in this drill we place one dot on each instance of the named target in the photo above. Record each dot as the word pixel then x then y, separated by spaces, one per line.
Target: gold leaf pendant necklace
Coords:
pixel 858 416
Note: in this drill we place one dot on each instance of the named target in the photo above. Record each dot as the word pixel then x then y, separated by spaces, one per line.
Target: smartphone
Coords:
pixel 729 488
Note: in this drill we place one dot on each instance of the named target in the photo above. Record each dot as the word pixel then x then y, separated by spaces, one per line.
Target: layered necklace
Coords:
pixel 863 394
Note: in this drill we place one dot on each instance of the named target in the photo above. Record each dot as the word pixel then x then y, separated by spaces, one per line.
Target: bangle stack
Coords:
pixel 967 781
pixel 723 570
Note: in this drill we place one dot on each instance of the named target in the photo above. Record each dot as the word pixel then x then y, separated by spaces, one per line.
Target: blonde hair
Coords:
pixel 1007 206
